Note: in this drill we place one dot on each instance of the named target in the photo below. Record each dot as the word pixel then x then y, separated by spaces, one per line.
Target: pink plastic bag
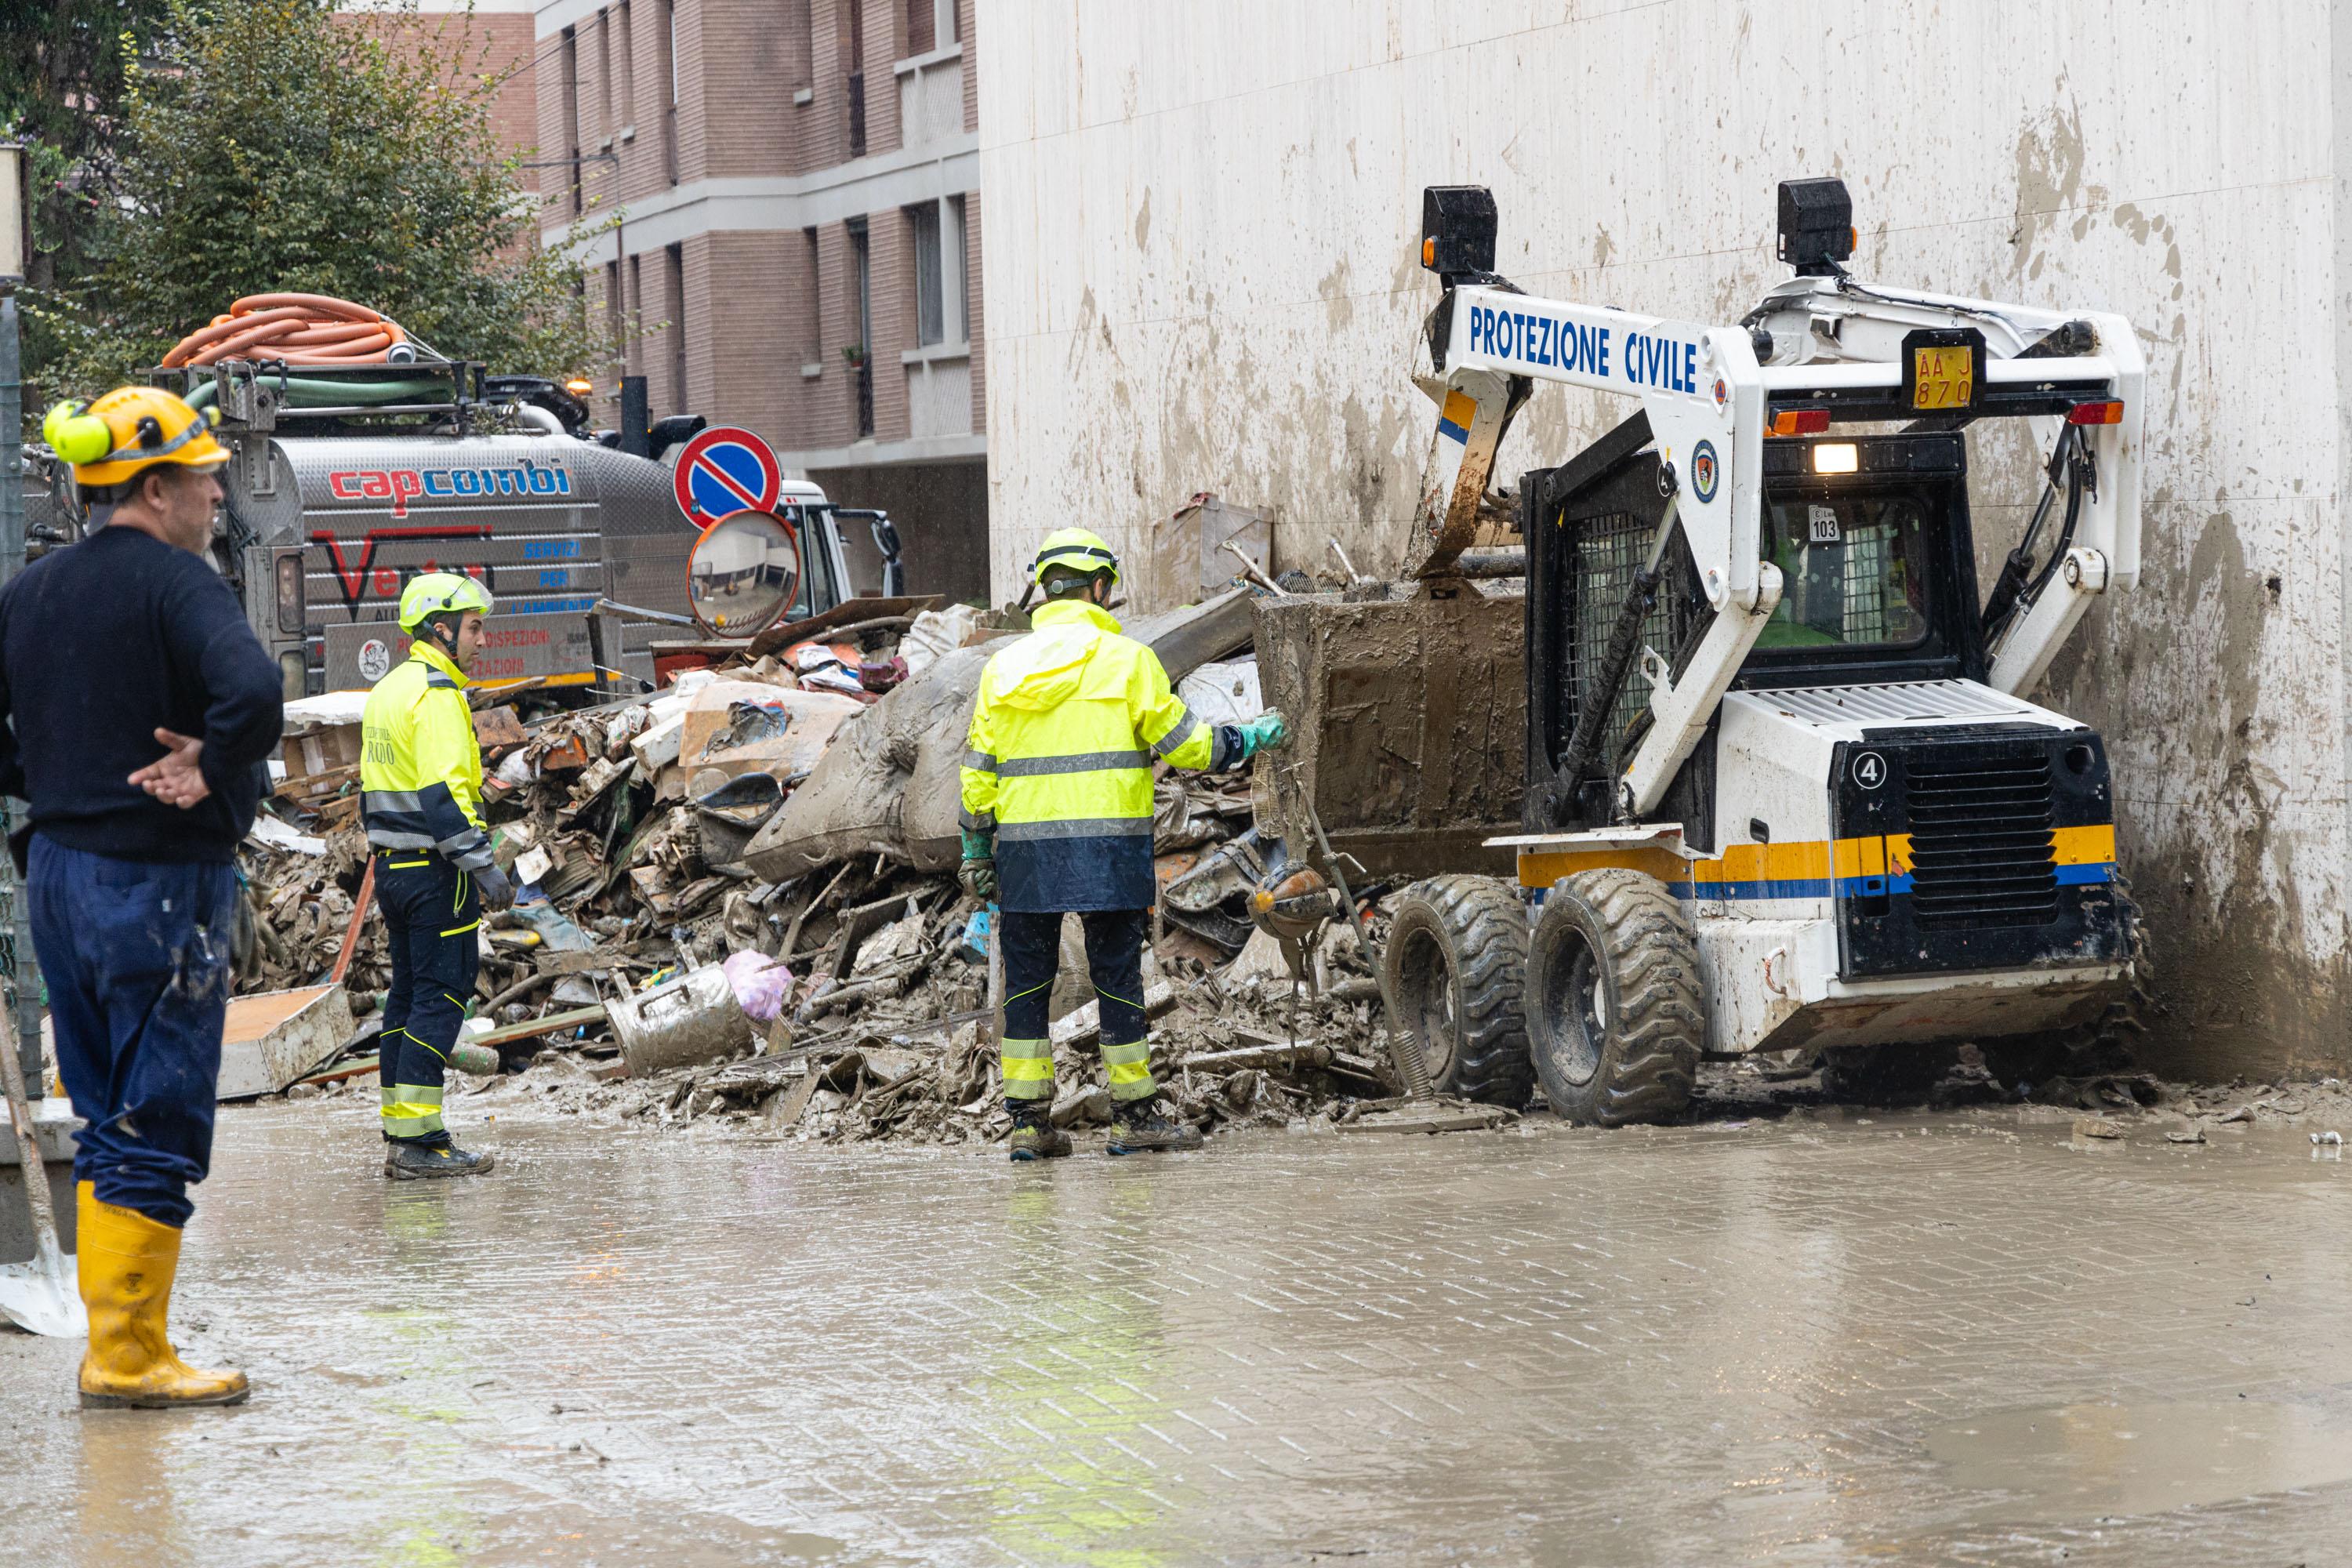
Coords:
pixel 760 984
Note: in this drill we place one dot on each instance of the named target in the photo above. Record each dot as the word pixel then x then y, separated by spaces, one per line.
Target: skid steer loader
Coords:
pixel 1784 785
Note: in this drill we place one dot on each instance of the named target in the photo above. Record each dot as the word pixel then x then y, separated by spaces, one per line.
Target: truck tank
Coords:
pixel 552 525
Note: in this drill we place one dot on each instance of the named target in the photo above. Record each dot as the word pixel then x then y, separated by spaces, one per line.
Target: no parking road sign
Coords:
pixel 725 470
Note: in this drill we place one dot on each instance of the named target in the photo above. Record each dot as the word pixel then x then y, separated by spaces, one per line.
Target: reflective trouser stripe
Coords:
pixel 1028 1069
pixel 460 930
pixel 411 1109
pixel 1129 1066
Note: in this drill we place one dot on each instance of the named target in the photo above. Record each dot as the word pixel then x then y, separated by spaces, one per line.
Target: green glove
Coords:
pixel 978 873
pixel 1263 733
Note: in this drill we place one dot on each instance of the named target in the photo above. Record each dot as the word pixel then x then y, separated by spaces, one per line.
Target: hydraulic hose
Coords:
pixel 295 328
pixel 308 391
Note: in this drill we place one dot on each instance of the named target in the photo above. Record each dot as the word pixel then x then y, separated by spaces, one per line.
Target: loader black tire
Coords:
pixel 1616 1011
pixel 1457 962
pixel 1896 1074
pixel 2107 1043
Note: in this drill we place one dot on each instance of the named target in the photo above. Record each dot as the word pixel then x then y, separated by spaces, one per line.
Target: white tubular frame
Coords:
pixel 1705 394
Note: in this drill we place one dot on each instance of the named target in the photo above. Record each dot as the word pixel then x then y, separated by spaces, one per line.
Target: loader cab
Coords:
pixel 1877 563
pixel 1871 534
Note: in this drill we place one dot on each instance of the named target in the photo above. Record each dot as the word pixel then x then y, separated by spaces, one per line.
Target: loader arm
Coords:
pixel 1834 351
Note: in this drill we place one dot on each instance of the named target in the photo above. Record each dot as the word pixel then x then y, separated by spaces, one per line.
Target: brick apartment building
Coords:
pixel 799 236
pixel 491 38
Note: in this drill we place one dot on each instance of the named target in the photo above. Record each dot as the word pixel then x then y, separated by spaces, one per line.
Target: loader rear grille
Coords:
pixel 1981 849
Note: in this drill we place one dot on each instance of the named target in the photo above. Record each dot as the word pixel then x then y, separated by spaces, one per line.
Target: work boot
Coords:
pixel 429 1158
pixel 1033 1135
pixel 1144 1127
pixel 127 1262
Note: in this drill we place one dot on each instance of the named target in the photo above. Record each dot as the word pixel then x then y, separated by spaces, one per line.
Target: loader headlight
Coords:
pixel 1836 458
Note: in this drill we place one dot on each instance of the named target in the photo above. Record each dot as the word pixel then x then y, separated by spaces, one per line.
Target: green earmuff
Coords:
pixel 75 434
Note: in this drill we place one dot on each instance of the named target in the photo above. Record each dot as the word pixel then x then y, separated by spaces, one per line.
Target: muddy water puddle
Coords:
pixel 1658 1346
pixel 2096 1461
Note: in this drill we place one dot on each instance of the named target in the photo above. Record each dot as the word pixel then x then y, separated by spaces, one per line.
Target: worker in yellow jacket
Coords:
pixel 1057 817
pixel 420 799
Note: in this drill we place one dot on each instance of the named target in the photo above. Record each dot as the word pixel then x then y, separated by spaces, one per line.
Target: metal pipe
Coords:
pixel 1250 570
pixel 1511 562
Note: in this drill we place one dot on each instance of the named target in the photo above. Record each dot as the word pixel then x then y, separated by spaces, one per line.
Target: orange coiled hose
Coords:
pixel 297 329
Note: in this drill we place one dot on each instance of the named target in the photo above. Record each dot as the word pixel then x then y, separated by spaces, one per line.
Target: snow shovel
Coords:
pixel 39 1296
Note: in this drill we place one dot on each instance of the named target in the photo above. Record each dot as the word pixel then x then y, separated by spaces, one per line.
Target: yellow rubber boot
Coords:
pixel 127 1263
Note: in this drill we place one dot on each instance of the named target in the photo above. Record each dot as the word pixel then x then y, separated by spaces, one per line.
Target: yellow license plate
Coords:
pixel 1943 377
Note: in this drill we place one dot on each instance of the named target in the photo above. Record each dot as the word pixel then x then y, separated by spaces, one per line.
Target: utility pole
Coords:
pixel 21 975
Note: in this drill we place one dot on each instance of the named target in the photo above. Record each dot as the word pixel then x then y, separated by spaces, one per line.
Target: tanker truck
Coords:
pixel 344 483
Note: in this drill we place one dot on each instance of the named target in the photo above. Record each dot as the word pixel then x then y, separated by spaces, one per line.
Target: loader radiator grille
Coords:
pixel 1981 851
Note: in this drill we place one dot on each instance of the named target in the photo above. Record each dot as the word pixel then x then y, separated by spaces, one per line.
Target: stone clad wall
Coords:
pixel 1202 275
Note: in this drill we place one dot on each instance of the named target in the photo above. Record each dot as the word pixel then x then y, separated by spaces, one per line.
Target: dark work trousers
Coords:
pixel 1032 945
pixel 431 922
pixel 136 958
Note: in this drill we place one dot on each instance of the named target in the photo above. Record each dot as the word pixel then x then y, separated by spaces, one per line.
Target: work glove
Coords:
pixel 978 873
pixel 1262 733
pixel 496 892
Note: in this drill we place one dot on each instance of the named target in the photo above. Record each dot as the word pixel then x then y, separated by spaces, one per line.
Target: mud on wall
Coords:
pixel 1203 277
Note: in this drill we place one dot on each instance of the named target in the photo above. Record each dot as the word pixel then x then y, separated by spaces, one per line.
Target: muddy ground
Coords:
pixel 1786 1332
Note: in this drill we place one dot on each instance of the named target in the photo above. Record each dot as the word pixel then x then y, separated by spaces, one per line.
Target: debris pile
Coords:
pixel 794 801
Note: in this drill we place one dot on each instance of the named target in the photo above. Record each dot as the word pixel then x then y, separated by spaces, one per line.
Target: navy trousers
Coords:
pixel 136 958
pixel 432 923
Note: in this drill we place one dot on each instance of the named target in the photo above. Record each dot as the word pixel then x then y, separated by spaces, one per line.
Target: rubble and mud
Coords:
pixel 798 806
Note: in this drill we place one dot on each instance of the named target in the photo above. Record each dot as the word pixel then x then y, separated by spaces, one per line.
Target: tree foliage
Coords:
pixel 270 145
pixel 64 68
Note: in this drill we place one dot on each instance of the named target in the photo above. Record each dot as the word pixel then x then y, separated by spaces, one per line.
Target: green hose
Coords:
pixel 309 392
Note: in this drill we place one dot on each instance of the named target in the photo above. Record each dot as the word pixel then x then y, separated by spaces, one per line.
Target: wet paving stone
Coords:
pixel 1898 1337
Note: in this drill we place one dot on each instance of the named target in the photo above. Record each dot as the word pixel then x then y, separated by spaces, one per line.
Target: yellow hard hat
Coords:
pixel 129 429
pixel 439 593
pixel 1076 549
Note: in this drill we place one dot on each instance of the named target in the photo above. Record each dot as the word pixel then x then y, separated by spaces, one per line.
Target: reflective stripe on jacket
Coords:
pixel 1058 761
pixel 420 766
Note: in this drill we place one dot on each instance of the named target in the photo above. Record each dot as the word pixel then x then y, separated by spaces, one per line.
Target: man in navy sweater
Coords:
pixel 142 710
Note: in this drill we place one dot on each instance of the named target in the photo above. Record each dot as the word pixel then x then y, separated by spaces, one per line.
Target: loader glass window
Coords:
pixel 1853 571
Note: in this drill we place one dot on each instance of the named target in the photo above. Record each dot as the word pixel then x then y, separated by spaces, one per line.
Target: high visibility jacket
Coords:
pixel 1059 764
pixel 420 766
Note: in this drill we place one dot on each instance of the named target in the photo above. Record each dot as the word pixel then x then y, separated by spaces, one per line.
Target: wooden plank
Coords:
pixel 841 615
pixel 531 1028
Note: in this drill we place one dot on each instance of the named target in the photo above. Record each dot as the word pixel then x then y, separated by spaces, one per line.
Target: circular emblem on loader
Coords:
pixel 1722 391
pixel 375 660
pixel 1869 770
pixel 1703 471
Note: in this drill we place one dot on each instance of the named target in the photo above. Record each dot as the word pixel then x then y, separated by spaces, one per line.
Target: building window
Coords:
pixel 571 59
pixel 937 229
pixel 855 56
pixel 669 89
pixel 675 257
pixel 628 71
pixel 953 285
pixel 931 326
pixel 604 79
pixel 636 312
pixel 922 26
pixel 861 272
pixel 615 322
pixel 813 311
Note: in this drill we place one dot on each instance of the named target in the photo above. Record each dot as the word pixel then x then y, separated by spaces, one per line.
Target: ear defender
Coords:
pixel 76 435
